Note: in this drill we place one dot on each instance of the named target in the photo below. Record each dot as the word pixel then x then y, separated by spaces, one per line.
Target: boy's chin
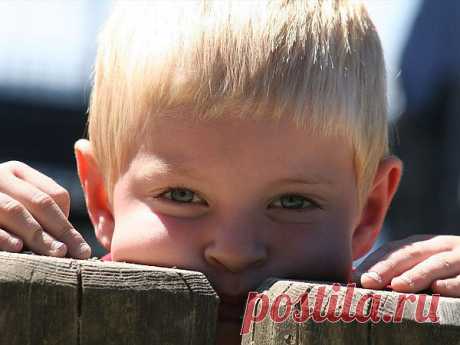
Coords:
pixel 231 313
pixel 228 333
pixel 231 307
pixel 229 323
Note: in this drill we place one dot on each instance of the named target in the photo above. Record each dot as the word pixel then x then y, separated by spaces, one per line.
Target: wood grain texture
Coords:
pixel 134 304
pixel 38 300
pixel 408 331
pixel 47 300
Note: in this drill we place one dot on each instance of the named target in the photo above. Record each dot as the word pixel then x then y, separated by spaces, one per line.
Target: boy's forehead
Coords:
pixel 189 135
pixel 188 163
pixel 235 118
pixel 187 146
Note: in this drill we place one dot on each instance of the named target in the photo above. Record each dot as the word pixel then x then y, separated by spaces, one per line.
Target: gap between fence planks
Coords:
pixel 46 300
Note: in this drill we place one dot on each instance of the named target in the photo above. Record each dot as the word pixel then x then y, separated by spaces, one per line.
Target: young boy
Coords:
pixel 243 140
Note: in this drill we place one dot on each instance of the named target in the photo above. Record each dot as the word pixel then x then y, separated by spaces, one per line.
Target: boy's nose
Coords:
pixel 236 247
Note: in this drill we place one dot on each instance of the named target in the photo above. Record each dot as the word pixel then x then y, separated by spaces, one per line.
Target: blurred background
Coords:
pixel 46 53
pixel 47 50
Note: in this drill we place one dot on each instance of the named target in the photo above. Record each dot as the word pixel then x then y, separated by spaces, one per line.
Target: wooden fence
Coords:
pixel 49 301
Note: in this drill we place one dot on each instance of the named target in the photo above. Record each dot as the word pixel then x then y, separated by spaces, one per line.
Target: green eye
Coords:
pixel 293 202
pixel 182 195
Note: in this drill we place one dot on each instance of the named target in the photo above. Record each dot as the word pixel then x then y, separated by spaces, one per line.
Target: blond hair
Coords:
pixel 319 62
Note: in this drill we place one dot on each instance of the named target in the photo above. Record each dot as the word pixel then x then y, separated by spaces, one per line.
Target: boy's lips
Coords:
pixel 233 299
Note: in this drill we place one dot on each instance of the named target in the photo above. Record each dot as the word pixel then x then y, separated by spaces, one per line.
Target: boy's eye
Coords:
pixel 182 195
pixel 292 202
pixel 288 201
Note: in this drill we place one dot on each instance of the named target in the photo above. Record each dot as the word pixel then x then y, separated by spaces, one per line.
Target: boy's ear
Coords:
pixel 378 200
pixel 92 183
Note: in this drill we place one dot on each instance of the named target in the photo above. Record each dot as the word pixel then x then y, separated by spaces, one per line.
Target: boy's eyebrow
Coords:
pixel 302 180
pixel 159 167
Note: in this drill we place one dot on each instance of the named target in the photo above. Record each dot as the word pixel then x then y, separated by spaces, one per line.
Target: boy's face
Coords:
pixel 240 200
pixel 214 197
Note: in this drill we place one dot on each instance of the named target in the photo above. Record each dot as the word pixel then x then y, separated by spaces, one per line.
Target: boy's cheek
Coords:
pixel 318 254
pixel 322 252
pixel 334 266
pixel 142 237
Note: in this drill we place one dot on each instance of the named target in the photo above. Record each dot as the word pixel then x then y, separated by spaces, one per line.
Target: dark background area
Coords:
pixel 42 135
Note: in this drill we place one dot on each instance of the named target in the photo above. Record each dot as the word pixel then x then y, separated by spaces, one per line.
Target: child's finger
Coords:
pixel 15 219
pixel 42 182
pixel 447 287
pixel 45 210
pixel 394 258
pixel 10 243
pixel 388 248
pixel 439 266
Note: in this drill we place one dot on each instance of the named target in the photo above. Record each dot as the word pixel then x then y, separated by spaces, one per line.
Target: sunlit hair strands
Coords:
pixel 318 63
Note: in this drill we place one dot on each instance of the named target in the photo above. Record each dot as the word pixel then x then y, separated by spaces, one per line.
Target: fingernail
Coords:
pixel 84 250
pixel 16 243
pixel 373 276
pixel 57 246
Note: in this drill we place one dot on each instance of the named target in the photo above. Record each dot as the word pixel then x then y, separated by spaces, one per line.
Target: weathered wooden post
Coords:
pixel 395 316
pixel 46 300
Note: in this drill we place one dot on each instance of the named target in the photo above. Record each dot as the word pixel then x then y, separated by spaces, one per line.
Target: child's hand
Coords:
pixel 413 264
pixel 30 204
